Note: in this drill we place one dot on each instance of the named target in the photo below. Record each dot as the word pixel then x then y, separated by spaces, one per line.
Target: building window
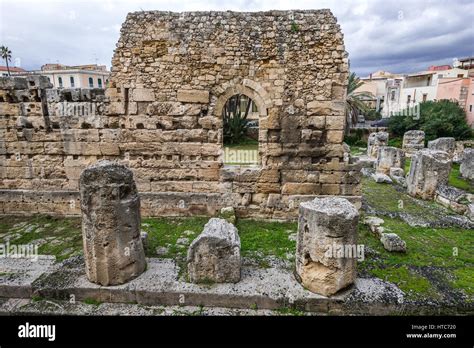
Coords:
pixel 408 99
pixel 99 82
pixel 71 79
pixel 470 108
pixel 60 81
pixel 392 97
pixel 425 97
pixel 91 82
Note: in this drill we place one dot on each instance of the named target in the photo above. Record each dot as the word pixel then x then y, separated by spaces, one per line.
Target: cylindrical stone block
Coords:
pixel 326 247
pixel 428 170
pixel 110 208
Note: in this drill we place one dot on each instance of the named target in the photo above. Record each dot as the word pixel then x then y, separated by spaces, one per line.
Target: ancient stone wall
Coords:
pixel 172 74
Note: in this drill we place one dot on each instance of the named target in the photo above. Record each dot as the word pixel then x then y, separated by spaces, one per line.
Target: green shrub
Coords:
pixel 373 115
pixel 443 118
pixel 395 142
pixel 355 138
pixel 235 119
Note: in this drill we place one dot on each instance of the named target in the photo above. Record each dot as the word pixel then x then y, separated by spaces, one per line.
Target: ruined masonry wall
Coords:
pixel 161 116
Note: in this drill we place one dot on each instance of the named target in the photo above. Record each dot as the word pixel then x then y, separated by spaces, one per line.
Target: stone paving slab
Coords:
pixel 17 274
pixel 270 288
pixel 15 306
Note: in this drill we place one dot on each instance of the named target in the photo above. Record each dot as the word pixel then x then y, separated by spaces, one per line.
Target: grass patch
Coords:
pixel 268 238
pixel 456 180
pixel 386 198
pixel 464 280
pixel 61 237
pixel 290 311
pixel 165 232
pixel 395 142
pixel 259 239
pixel 413 285
pixel 448 250
pixel 246 144
pixel 36 298
pixel 92 301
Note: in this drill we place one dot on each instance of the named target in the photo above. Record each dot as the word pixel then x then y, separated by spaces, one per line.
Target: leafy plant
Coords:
pixel 443 118
pixel 235 115
pixel 294 27
pixel 7 55
pixel 355 100
pixel 355 138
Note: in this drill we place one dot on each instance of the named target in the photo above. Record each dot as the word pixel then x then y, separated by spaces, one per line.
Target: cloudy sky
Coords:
pixel 392 35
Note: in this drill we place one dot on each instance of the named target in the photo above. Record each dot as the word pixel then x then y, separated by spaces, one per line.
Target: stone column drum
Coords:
pixel 325 226
pixel 375 141
pixel 428 170
pixel 110 208
pixel 413 141
pixel 389 157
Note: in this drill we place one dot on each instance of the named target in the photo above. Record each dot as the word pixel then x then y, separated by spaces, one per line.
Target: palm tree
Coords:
pixel 7 55
pixel 355 100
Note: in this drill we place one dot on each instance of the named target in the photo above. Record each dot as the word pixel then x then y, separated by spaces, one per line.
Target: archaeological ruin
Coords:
pixel 161 116
pixel 130 198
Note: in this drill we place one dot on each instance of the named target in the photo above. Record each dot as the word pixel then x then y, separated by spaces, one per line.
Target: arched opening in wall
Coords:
pixel 240 131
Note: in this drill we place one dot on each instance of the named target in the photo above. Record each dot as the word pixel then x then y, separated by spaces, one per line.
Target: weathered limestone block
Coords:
pixel 413 141
pixel 389 157
pixel 443 144
pixel 38 81
pixel 467 164
pixel 381 178
pixel 193 96
pixel 13 83
pixel 392 242
pixel 324 225
pixel 428 170
pixel 214 256
pixel 110 207
pixel 143 94
pixel 375 141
